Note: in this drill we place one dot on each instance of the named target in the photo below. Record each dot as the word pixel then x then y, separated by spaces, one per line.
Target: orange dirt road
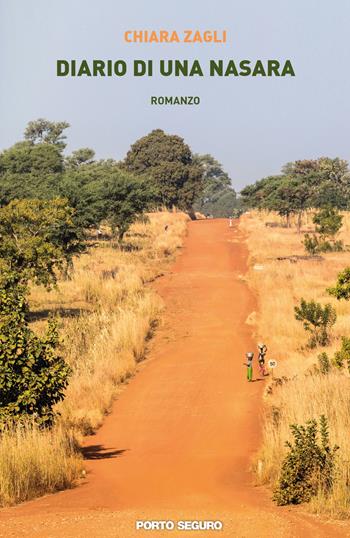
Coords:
pixel 181 436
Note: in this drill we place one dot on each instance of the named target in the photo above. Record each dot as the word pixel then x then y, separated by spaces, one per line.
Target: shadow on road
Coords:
pixel 99 452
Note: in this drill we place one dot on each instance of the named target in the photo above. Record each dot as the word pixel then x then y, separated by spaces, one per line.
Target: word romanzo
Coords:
pixel 177 68
pixel 165 36
pixel 175 100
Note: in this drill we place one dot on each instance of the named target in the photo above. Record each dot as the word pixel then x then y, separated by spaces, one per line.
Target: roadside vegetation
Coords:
pixel 105 314
pixel 80 242
pixel 303 315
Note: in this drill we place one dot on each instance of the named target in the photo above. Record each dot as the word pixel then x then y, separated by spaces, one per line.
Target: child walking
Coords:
pixel 249 365
pixel 261 358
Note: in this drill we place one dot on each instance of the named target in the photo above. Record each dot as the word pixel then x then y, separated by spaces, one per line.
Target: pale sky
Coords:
pixel 252 125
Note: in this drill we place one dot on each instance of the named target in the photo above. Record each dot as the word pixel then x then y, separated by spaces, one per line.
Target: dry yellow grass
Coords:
pixel 107 313
pixel 33 462
pixel 279 285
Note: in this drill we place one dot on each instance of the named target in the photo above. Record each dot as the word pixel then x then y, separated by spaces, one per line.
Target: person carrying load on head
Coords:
pixel 249 365
pixel 261 358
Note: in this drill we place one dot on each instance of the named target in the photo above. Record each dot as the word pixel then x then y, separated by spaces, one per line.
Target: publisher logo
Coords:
pixel 183 525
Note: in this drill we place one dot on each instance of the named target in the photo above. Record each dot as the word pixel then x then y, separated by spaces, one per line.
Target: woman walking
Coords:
pixel 261 358
pixel 249 365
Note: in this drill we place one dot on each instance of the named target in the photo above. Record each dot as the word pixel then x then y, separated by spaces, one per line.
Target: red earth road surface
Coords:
pixel 180 439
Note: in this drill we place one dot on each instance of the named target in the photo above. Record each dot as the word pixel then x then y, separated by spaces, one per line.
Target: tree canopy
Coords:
pixel 32 374
pixel 45 131
pixel 301 185
pixel 217 198
pixel 37 237
pixel 168 164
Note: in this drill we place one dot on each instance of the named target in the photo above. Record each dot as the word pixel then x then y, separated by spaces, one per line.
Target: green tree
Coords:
pixel 317 320
pixel 218 198
pixel 302 184
pixel 167 162
pixel 309 465
pixel 103 190
pixel 290 196
pixel 83 187
pixel 79 157
pixel 341 290
pixel 39 237
pixel 126 200
pixel 343 355
pixel 33 376
pixel 328 221
pixel 27 158
pixel 48 132
pixel 30 171
pixel 324 363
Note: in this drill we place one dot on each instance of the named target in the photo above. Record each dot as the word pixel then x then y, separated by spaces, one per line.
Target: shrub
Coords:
pixel 32 376
pixel 324 363
pixel 313 244
pixel 341 290
pixel 309 465
pixel 343 355
pixel 317 320
pixel 328 221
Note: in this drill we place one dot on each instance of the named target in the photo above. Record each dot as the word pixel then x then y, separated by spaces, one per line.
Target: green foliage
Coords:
pixel 324 363
pixel 38 237
pixel 218 198
pixel 83 186
pixel 27 158
pixel 341 290
pixel 342 356
pixel 127 199
pixel 48 132
pixel 167 162
pixel 302 184
pixel 79 157
pixel 32 375
pixel 317 320
pixel 316 245
pixel 104 191
pixel 29 171
pixel 309 465
pixel 311 244
pixel 328 221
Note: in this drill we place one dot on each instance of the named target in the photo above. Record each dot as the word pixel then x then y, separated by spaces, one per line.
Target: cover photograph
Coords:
pixel 174 269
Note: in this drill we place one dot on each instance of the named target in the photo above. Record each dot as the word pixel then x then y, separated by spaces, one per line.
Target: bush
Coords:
pixel 324 364
pixel 309 466
pixel 316 319
pixel 314 245
pixel 328 221
pixel 341 290
pixel 32 376
pixel 343 355
pixel 311 244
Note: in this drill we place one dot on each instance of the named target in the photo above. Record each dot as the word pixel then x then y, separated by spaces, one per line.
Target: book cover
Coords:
pixel 174 269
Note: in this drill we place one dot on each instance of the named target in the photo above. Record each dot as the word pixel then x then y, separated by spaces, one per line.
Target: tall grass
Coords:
pixel 107 313
pixel 301 393
pixel 34 462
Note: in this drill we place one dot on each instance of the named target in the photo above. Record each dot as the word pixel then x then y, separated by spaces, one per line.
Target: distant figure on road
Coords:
pixel 249 365
pixel 261 358
pixel 230 222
